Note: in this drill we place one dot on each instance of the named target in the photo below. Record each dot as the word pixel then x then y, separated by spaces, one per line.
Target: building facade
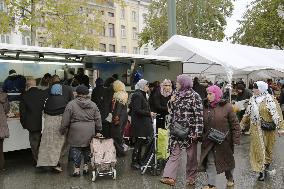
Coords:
pixel 130 21
pixel 121 27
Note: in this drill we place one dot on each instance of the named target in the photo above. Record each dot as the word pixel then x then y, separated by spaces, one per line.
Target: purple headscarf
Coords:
pixel 218 94
pixel 185 82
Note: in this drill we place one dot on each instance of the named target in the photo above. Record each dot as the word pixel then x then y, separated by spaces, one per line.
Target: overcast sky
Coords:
pixel 240 6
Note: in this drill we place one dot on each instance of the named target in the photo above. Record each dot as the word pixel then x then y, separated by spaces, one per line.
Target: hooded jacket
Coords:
pixel 4 109
pixel 82 118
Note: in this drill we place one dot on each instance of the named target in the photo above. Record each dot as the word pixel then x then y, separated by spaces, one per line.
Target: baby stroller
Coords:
pixel 103 158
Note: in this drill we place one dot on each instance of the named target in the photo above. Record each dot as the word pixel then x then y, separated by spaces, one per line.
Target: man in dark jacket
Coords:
pixel 14 83
pixel 31 106
pixel 200 89
pixel 101 97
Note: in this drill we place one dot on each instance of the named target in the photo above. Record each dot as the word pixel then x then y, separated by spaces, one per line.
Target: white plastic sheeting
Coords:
pixel 222 58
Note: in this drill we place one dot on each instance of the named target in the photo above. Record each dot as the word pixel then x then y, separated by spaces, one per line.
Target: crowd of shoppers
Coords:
pixel 197 113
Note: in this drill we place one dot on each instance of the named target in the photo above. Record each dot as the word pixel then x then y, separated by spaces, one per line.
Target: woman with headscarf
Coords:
pixel 160 99
pixel 217 157
pixel 264 117
pixel 82 120
pixel 119 116
pixel 52 141
pixel 141 120
pixel 186 111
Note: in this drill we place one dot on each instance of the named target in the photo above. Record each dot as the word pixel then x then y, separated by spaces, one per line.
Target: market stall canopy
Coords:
pixel 221 58
pixel 48 54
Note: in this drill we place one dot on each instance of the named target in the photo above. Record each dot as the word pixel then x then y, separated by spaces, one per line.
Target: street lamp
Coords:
pixel 172 23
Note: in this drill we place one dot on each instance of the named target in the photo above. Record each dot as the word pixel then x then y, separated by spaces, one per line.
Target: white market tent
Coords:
pixel 222 58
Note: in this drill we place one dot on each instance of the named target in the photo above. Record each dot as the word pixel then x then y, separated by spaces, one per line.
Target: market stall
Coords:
pixel 36 61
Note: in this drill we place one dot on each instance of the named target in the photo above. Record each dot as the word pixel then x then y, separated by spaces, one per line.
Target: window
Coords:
pixel 2 6
pixel 146 51
pixel 134 33
pixel 122 13
pixel 103 31
pixel 111 48
pixel 111 30
pixel 144 16
pixel 26 40
pixel 134 16
pixel 5 39
pixel 123 31
pixel 110 14
pixel 102 47
pixel 123 49
pixel 135 50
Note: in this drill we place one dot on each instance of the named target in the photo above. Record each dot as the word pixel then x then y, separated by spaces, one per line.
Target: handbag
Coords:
pixel 179 131
pixel 217 136
pixel 267 126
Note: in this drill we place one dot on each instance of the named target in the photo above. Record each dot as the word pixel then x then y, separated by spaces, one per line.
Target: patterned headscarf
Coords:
pixel 262 86
pixel 218 94
pixel 141 84
pixel 56 89
pixel 162 86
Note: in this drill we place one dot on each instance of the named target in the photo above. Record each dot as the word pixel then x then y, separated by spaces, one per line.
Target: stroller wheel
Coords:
pixel 94 176
pixel 114 174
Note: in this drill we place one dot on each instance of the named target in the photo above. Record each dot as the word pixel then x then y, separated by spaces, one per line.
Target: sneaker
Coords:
pixel 247 133
pixel 209 187
pixel 85 169
pixel 168 181
pixel 58 169
pixel 261 176
pixel 230 183
pixel 190 182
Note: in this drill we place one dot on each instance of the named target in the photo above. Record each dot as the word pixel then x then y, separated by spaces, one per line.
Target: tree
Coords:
pixel 262 25
pixel 71 24
pixel 195 18
pixel 61 23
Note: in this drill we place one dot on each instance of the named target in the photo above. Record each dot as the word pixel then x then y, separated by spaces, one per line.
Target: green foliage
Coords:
pixel 262 25
pixel 61 23
pixel 71 24
pixel 198 18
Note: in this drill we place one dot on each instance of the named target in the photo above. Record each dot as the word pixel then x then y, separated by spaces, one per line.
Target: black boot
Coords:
pixel 261 176
pixel 266 167
pixel 136 155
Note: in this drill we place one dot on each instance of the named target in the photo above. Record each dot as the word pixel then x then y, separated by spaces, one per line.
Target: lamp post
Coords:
pixel 172 23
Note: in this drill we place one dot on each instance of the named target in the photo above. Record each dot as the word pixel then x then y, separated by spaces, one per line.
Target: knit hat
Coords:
pixel 82 90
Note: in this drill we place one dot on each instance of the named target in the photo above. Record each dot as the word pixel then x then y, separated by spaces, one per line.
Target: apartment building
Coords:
pixel 130 21
pixel 121 27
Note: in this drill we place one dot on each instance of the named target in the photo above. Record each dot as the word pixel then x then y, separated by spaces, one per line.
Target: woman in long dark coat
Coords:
pixel 160 100
pixel 141 120
pixel 219 158
pixel 119 116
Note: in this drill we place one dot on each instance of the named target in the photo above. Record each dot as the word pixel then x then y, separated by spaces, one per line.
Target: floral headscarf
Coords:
pixel 162 88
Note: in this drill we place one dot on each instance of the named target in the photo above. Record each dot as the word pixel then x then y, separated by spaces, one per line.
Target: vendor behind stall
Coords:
pixel 14 83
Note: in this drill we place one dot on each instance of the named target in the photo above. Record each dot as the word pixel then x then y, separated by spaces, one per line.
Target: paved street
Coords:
pixel 21 175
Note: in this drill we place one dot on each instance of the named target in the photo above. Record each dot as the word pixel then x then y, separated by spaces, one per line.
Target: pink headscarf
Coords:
pixel 218 94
